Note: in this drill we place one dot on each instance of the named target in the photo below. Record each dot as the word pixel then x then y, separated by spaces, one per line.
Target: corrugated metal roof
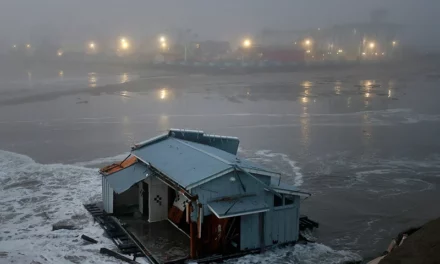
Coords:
pixel 123 179
pixel 238 206
pixel 180 162
pixel 189 163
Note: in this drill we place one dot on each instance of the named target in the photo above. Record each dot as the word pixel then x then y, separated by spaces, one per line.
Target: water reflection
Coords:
pixel 164 122
pixel 305 100
pixel 124 78
pixel 306 84
pixel 92 79
pixel 29 74
pixel 163 94
pixel 366 130
pixel 338 87
pixel 305 131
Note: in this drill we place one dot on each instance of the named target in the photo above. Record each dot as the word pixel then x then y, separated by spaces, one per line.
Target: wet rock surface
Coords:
pixel 422 247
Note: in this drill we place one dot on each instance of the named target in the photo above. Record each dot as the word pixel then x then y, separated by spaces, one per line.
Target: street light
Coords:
pixel 124 44
pixel 92 45
pixel 162 39
pixel 163 45
pixel 372 45
pixel 247 43
pixel 28 46
pixel 394 43
pixel 307 42
pixel 60 53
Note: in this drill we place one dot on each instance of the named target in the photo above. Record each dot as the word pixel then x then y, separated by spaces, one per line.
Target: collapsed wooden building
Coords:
pixel 187 195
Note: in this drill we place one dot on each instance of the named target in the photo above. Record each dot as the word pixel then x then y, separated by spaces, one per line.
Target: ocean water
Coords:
pixel 363 142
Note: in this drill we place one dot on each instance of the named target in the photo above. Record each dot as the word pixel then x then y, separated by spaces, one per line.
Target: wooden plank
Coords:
pixel 89 239
pixel 116 255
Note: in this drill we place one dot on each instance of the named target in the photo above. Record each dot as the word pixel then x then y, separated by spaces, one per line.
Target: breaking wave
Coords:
pixel 301 254
pixel 35 196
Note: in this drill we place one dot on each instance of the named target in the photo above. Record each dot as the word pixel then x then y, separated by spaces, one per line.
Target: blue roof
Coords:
pixel 189 163
pixel 238 206
pixel 282 187
pixel 123 179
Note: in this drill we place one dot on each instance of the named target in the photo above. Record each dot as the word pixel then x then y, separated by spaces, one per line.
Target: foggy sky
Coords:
pixel 211 19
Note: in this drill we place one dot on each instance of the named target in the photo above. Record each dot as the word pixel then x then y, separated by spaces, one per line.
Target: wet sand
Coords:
pixel 364 141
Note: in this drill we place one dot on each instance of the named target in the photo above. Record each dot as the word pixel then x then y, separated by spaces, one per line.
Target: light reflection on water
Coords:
pixel 307 84
pixel 124 78
pixel 30 78
pixel 92 79
pixel 338 87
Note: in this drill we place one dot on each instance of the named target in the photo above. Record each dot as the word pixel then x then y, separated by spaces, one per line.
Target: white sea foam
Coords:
pixel 33 197
pixel 294 169
pixel 301 254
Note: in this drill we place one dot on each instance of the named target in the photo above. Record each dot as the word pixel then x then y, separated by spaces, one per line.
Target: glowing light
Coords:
pixel 372 45
pixel 125 45
pixel 61 73
pixel 389 93
pixel 123 40
pixel 28 46
pixel 375 53
pixel 247 43
pixel 124 78
pixel 394 43
pixel 367 95
pixel 305 100
pixel 307 42
pixel 92 79
pixel 60 53
pixel 162 39
pixel 340 51
pixel 308 51
pixel 163 94
pixel 14 46
pixel 306 84
pixel 363 53
pixel 163 45
pixel 92 45
pixel 383 53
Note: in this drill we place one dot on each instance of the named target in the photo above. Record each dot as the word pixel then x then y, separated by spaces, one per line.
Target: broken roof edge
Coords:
pixel 150 141
pixel 289 191
pixel 115 167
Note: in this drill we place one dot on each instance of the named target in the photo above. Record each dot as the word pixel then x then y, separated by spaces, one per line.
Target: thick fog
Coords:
pixel 67 20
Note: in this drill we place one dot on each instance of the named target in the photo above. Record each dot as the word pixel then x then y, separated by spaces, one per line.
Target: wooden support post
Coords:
pixel 192 234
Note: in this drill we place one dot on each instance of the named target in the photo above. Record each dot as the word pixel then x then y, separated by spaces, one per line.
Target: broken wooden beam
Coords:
pixel 116 255
pixel 89 239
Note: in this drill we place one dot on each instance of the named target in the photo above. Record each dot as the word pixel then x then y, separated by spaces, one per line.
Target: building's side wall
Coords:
pixel 249 232
pixel 107 196
pixel 281 224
